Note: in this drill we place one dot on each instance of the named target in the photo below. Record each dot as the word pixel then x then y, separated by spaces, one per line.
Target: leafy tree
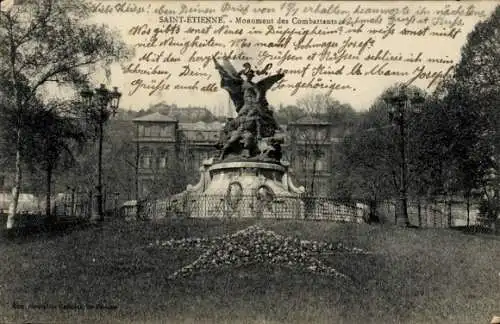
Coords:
pixel 45 41
pixel 119 151
pixel 367 162
pixel 53 138
pixel 370 160
pixel 119 154
pixel 469 106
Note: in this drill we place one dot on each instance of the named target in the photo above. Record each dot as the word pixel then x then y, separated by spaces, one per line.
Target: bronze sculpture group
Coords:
pixel 254 134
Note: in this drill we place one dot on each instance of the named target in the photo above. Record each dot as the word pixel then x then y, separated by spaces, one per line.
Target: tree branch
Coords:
pixel 57 71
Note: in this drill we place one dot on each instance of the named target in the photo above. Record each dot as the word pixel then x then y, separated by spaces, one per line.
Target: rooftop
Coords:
pixel 309 120
pixel 202 126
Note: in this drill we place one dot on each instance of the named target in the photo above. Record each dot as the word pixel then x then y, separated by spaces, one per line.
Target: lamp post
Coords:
pixel 117 196
pixel 399 103
pixel 103 103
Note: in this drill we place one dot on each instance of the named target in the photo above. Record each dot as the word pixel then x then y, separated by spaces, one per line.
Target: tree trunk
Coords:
pixel 403 219
pixel 17 184
pixel 468 208
pixel 100 210
pixel 137 157
pixel 313 175
pixel 450 218
pixel 434 214
pixel 19 106
pixel 48 193
pixel 419 206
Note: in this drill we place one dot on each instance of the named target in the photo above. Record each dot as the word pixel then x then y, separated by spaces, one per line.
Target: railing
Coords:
pixel 221 206
pixel 64 208
pixel 434 213
pixel 422 213
pixel 72 207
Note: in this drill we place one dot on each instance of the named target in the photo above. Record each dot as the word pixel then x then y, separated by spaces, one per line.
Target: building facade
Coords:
pixel 170 153
pixel 310 147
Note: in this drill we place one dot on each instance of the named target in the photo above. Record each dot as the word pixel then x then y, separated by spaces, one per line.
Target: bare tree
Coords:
pixel 312 136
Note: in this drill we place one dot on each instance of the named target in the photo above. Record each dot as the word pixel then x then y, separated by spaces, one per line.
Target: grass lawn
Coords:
pixel 414 276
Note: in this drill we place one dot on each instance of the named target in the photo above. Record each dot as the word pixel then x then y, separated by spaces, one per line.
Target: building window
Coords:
pixel 147 131
pixel 147 186
pixel 164 131
pixel 155 131
pixel 162 160
pixel 321 135
pixel 146 156
pixel 190 163
pixel 320 165
pixel 287 156
pixel 140 130
pixel 189 135
pixel 199 137
pixel 308 165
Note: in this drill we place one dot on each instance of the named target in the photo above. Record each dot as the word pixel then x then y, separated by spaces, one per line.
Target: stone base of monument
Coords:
pixel 240 189
pixel 249 189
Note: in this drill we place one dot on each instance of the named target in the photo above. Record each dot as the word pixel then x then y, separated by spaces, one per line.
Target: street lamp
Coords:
pixel 105 103
pixel 117 196
pixel 399 102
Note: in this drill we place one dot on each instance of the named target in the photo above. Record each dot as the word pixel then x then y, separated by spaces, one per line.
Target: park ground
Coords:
pixel 412 276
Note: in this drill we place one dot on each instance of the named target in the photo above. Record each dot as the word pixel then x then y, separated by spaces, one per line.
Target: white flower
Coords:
pixel 255 245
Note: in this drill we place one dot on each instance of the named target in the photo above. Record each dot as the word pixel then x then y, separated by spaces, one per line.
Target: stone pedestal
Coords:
pixel 240 189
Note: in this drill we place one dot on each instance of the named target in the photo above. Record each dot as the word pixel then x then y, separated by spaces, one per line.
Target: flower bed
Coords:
pixel 254 245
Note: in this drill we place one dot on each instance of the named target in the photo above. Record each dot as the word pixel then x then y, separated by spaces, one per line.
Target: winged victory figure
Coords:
pixel 255 119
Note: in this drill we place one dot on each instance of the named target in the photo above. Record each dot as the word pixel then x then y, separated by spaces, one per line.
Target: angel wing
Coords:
pixel 229 68
pixel 265 84
pixel 231 81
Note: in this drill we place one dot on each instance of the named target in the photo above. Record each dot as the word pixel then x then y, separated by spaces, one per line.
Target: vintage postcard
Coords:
pixel 249 161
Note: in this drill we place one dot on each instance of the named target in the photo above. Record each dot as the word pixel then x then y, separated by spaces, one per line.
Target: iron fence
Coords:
pixel 72 206
pixel 426 213
pixel 64 207
pixel 434 213
pixel 221 206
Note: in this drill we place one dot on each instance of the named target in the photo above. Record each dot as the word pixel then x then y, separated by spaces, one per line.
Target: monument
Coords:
pixel 247 178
